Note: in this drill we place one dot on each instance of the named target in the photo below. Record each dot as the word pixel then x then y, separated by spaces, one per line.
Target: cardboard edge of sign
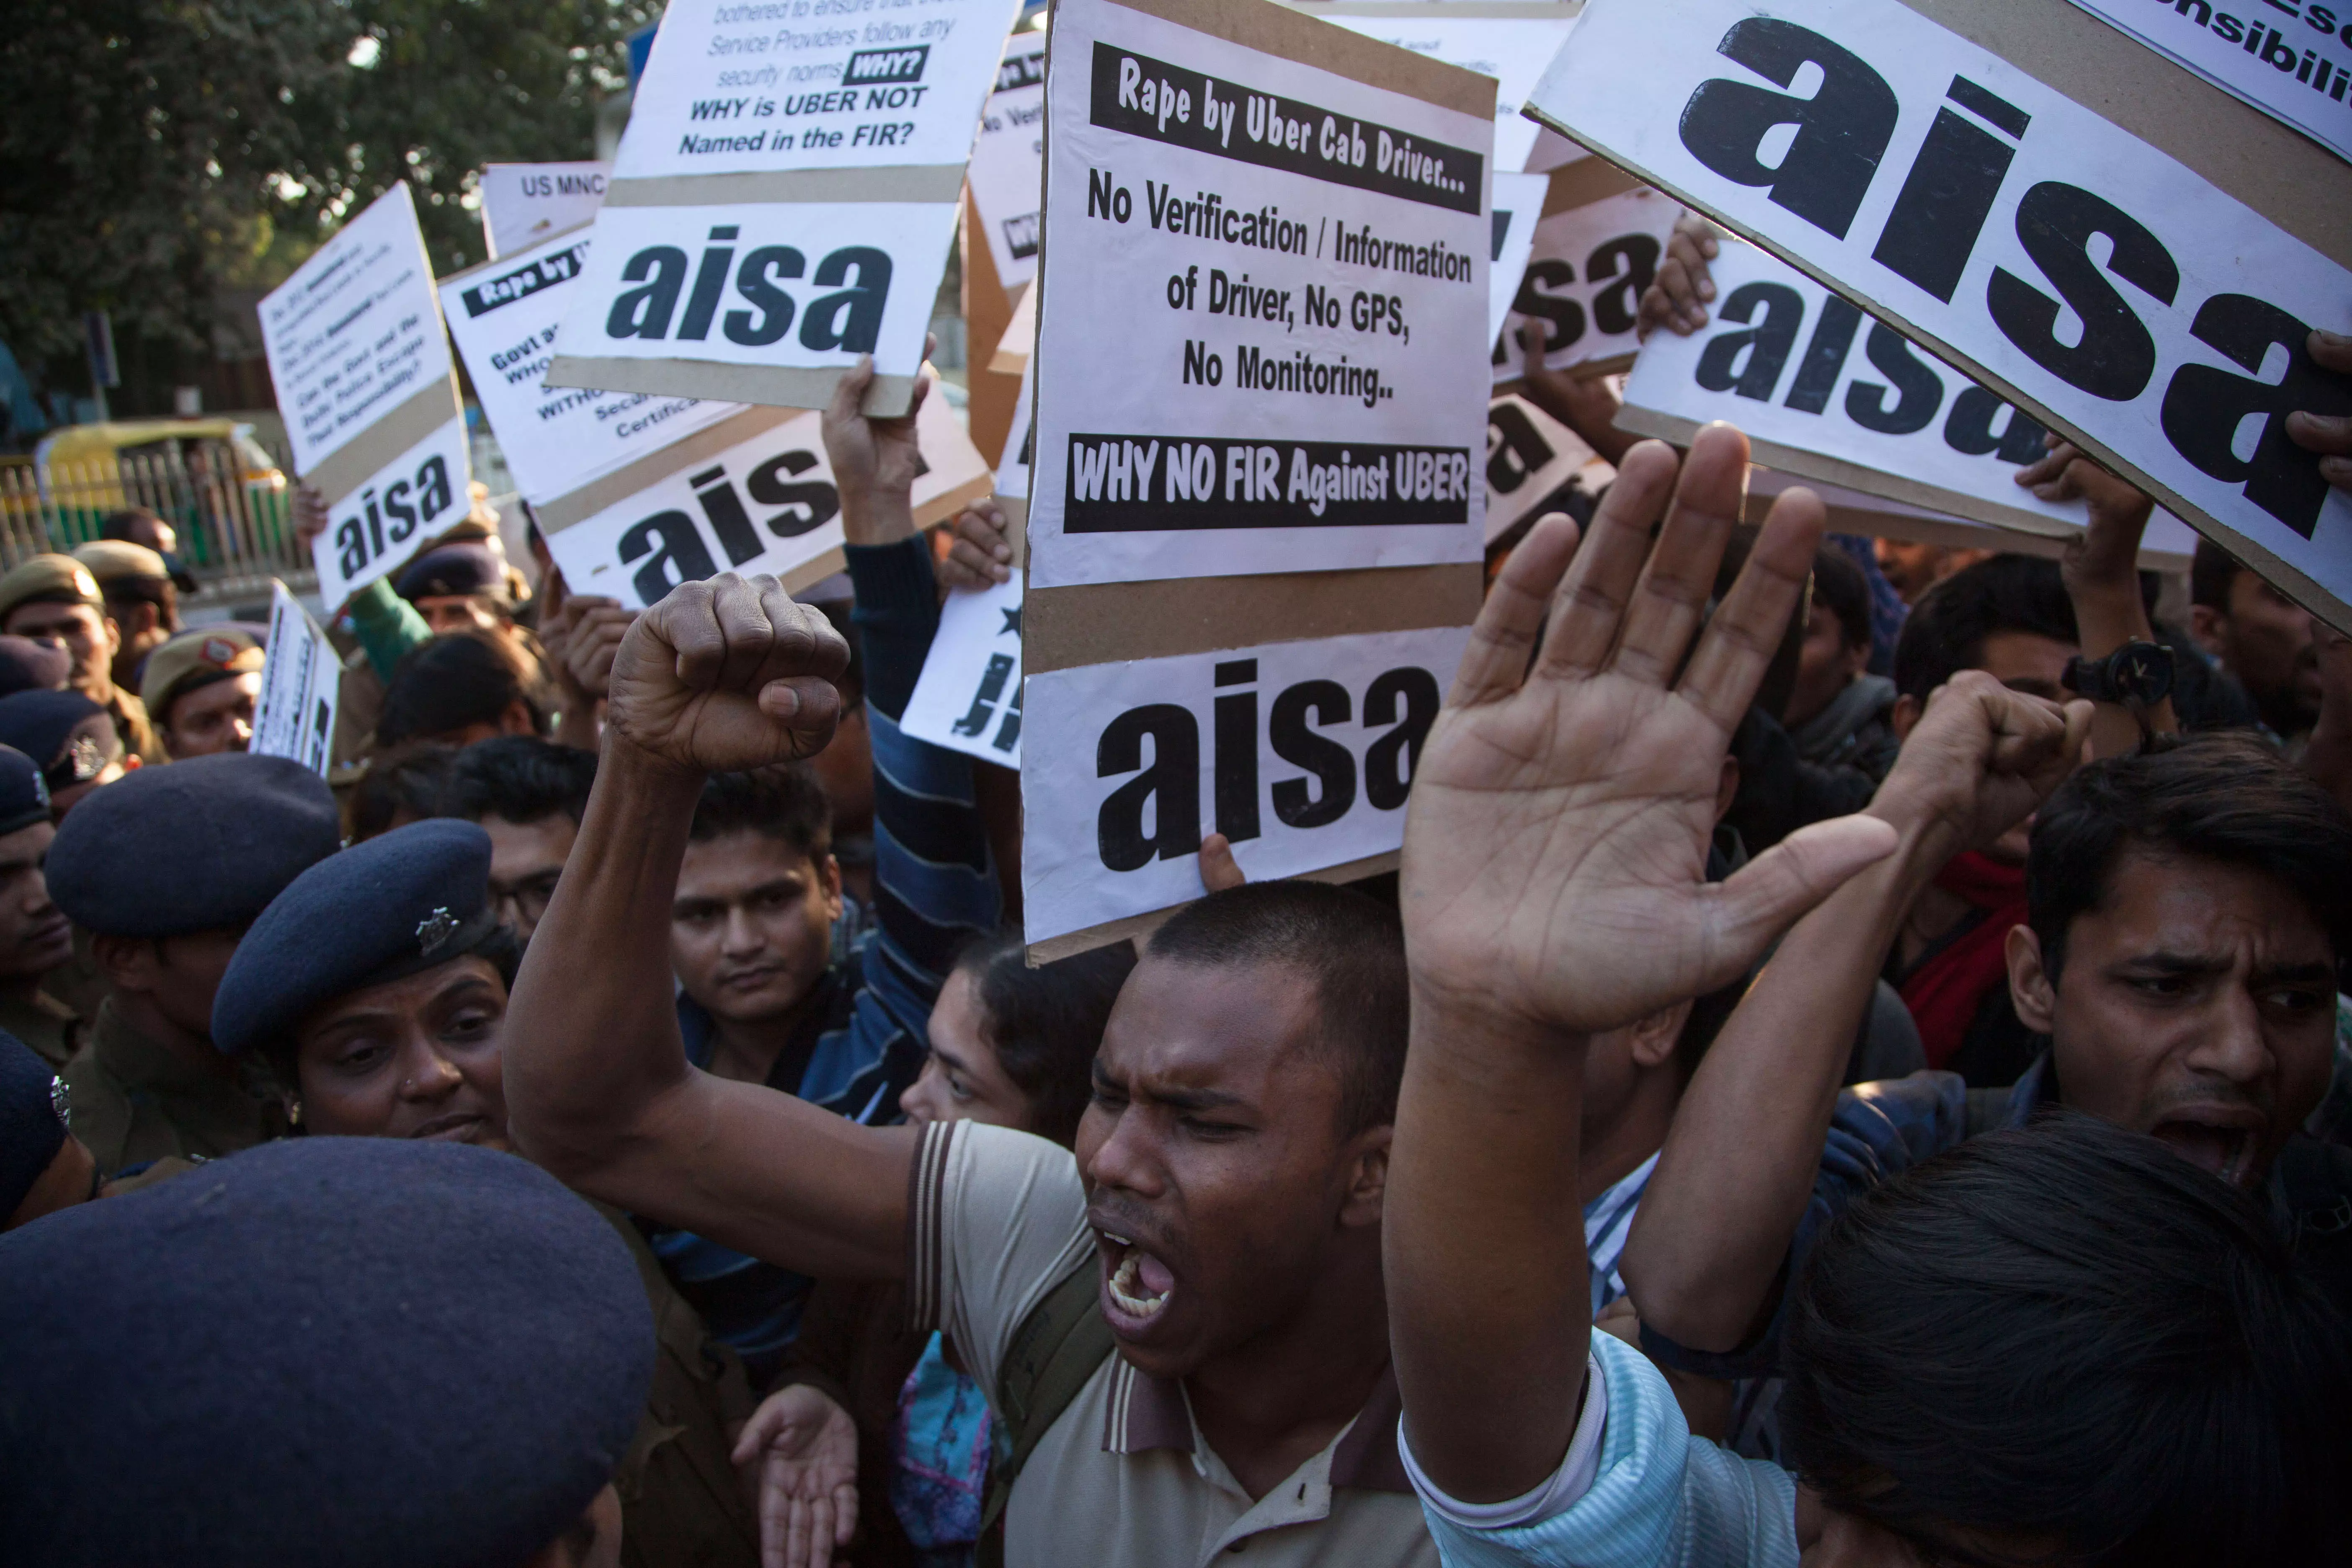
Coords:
pixel 1305 38
pixel 414 418
pixel 2296 585
pixel 775 386
pixel 1582 370
pixel 1138 927
pixel 1680 431
pixel 1872 524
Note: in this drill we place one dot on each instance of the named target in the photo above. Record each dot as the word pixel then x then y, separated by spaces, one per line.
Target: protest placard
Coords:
pixel 523 204
pixel 1019 340
pixel 968 697
pixel 1299 752
pixel 1596 247
pixel 1823 390
pixel 1529 455
pixel 1012 468
pixel 1519 206
pixel 2166 545
pixel 370 399
pixel 784 200
pixel 753 494
pixel 1007 177
pixel 1511 41
pixel 505 316
pixel 2123 250
pixel 301 680
pixel 2290 60
pixel 1276 268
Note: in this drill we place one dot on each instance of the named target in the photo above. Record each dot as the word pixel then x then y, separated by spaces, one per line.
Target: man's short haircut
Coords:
pixel 1351 948
pixel 1046 1022
pixel 1839 588
pixel 407 780
pixel 458 679
pixel 2223 796
pixel 780 803
pixel 130 525
pixel 2068 1341
pixel 1947 629
pixel 519 777
pixel 2211 571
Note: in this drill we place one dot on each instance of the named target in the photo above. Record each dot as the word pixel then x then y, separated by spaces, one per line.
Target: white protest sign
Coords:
pixel 1584 278
pixel 302 679
pixel 504 316
pixel 1012 468
pixel 968 697
pixel 2166 545
pixel 784 199
pixel 523 204
pixel 1519 206
pixel 2108 289
pixel 1821 388
pixel 1529 455
pixel 764 503
pixel 1261 313
pixel 1299 752
pixel 2297 75
pixel 1007 177
pixel 1514 50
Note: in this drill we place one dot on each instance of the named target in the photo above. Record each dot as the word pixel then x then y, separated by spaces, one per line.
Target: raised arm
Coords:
pixel 2101 568
pixel 1554 887
pixel 722 675
pixel 1739 1167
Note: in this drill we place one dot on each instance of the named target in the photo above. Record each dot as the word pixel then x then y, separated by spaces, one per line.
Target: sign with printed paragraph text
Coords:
pixel 1584 278
pixel 784 199
pixel 1514 50
pixel 301 680
pixel 968 697
pixel 1821 389
pixel 752 496
pixel 523 204
pixel 1529 455
pixel 1299 752
pixel 1519 206
pixel 1291 264
pixel 504 316
pixel 1008 161
pixel 2287 57
pixel 2103 285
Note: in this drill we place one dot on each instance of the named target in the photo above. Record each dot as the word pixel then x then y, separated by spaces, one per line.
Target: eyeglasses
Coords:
pixel 529 896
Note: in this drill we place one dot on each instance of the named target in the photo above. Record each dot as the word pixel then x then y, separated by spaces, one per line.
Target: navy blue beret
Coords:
pixel 202 845
pixel 29 666
pixel 37 722
pixel 367 1352
pixel 31 1131
pixel 24 794
pixel 452 569
pixel 395 905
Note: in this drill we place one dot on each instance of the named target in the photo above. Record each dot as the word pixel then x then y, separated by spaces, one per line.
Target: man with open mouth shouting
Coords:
pixel 1218 1227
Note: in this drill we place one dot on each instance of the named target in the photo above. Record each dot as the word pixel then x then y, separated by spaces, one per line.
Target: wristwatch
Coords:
pixel 2136 675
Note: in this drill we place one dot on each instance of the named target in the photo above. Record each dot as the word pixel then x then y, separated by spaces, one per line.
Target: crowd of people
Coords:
pixel 1849 1068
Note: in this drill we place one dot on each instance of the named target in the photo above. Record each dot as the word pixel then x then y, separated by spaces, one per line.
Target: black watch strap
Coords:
pixel 2136 675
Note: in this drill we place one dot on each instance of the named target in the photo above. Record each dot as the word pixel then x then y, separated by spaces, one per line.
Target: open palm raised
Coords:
pixel 1556 843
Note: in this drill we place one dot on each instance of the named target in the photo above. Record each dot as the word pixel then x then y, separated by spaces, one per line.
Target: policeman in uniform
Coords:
pixel 165 869
pixel 200 689
pixel 54 598
pixel 140 600
pixel 35 938
pixel 374 987
pixel 349 1351
pixel 42 1168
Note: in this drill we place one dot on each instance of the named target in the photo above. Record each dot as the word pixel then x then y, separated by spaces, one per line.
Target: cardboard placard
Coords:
pixel 363 375
pixel 754 494
pixel 784 200
pixel 1012 468
pixel 1529 455
pixel 523 204
pixel 1596 247
pixel 1007 177
pixel 1299 752
pixel 968 697
pixel 1295 277
pixel 1519 207
pixel 505 316
pixel 1020 339
pixel 1511 43
pixel 2166 546
pixel 2125 251
pixel 2288 59
pixel 1824 391
pixel 301 681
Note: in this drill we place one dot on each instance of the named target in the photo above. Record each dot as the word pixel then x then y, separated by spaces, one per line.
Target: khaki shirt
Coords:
pixel 133 1100
pixel 1124 1477
pixel 44 1023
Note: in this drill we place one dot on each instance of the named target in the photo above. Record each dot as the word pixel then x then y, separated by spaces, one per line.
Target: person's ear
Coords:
pixel 1368 1177
pixel 128 963
pixel 829 874
pixel 1654 1037
pixel 2030 989
pixel 2210 628
pixel 516 720
pixel 113 634
pixel 1903 716
pixel 1727 786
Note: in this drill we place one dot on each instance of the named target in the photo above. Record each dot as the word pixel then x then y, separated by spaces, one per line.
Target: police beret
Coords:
pixel 453 569
pixel 32 1128
pixel 29 666
pixel 364 1351
pixel 395 905
pixel 195 845
pixel 39 723
pixel 58 577
pixel 24 794
pixel 120 561
pixel 209 651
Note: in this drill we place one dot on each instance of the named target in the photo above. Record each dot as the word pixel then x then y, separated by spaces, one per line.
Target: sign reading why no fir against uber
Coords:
pixel 1262 334
pixel 2148 292
pixel 784 199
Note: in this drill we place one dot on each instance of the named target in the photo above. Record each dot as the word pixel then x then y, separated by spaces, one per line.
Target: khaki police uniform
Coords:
pixel 133 1099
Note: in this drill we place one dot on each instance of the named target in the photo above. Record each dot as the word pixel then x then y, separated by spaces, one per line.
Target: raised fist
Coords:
pixel 727 675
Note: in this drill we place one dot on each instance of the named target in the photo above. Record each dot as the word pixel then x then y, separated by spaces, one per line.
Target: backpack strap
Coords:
pixel 1055 1348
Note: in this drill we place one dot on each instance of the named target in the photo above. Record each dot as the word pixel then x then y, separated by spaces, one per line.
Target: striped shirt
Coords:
pixel 1607 1219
